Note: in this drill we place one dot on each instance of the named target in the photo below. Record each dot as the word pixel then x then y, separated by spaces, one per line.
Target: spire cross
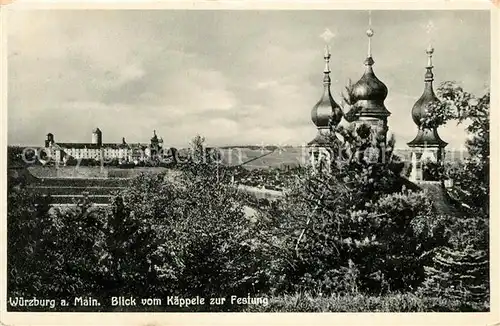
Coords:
pixel 327 35
pixel 429 28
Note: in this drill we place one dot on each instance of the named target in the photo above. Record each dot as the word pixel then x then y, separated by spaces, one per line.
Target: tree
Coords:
pixel 471 179
pixel 349 105
pixel 460 270
pixel 202 233
pixel 52 253
pixel 357 217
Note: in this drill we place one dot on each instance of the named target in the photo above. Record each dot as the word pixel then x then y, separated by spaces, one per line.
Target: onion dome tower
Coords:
pixel 427 145
pixel 326 115
pixel 369 94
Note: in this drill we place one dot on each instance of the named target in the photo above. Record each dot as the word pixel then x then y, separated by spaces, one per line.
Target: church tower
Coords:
pixel 368 96
pixel 427 145
pixel 326 115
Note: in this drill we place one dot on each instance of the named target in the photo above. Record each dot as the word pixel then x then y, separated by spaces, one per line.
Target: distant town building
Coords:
pixel 99 151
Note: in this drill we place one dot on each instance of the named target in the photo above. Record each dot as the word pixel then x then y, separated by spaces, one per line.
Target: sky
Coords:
pixel 235 77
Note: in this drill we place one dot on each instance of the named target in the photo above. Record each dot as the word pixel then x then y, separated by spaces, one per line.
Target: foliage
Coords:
pixel 71 161
pixel 355 220
pixel 460 269
pixel 348 103
pixel 472 180
pixel 452 106
pixel 458 275
pixel 432 171
pixel 393 302
pixel 383 246
pixel 18 156
pixel 48 252
pixel 204 232
pixel 462 106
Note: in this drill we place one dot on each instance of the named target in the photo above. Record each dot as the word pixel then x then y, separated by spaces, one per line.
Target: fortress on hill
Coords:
pixel 367 101
pixel 97 150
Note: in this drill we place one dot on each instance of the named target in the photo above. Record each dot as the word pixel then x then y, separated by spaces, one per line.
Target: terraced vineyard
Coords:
pixel 71 191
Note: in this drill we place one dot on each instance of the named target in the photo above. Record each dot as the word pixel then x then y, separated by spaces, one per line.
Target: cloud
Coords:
pixel 236 77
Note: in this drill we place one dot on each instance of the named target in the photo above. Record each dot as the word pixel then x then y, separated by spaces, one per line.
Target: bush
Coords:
pixel 306 302
pixel 186 236
pixel 355 219
pixel 383 246
pixel 432 171
pixel 458 275
pixel 51 254
pixel 205 248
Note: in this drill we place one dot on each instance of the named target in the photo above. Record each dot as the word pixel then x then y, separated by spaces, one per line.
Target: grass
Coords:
pixel 407 302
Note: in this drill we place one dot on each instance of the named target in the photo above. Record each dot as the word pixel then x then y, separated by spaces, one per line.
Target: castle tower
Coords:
pixel 50 140
pixel 154 140
pixel 326 115
pixel 369 94
pixel 97 137
pixel 427 145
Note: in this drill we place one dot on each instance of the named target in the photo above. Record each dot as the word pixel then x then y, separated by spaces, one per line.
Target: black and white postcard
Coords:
pixel 266 159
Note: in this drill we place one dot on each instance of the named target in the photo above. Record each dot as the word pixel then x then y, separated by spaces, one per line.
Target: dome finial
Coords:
pixel 369 33
pixel 429 28
pixel 326 112
pixel 429 51
pixel 327 56
pixel 327 35
pixel 429 75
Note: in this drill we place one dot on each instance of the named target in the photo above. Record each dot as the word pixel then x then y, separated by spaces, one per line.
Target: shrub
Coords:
pixel 184 235
pixel 356 217
pixel 432 171
pixel 385 245
pixel 394 302
pixel 458 275
pixel 205 236
pixel 52 254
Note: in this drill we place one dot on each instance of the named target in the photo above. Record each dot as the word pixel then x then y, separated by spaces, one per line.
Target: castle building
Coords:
pixel 99 151
pixel 326 115
pixel 427 144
